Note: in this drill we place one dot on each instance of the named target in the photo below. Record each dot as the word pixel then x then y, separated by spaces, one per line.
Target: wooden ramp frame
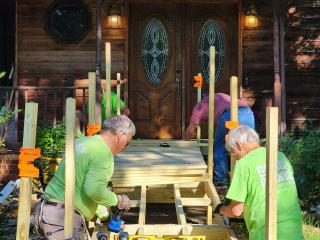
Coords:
pixel 191 194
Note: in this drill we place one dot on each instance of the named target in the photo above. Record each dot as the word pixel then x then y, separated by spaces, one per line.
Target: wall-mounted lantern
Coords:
pixel 251 17
pixel 114 14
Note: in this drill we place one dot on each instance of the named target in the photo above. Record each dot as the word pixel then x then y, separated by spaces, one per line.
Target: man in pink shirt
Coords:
pixel 200 113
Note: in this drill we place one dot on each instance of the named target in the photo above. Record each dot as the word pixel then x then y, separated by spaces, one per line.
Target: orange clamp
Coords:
pixel 198 81
pixel 92 129
pixel 26 158
pixel 230 125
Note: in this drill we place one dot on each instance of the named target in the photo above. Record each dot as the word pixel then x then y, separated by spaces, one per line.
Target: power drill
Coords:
pixel 116 221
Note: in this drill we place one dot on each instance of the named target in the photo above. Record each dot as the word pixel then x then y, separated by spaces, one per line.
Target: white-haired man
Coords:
pixel 94 161
pixel 247 188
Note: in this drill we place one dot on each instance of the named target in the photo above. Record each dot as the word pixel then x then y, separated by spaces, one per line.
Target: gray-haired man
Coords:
pixel 247 189
pixel 94 168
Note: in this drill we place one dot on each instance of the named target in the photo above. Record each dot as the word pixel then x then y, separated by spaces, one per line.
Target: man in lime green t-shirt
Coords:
pixel 124 110
pixel 94 165
pixel 113 107
pixel 247 188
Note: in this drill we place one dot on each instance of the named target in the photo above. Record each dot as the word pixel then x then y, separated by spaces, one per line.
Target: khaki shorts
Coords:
pixel 49 222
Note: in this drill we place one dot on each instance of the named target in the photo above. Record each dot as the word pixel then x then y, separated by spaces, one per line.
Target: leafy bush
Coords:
pixel 51 139
pixel 303 150
pixel 5 115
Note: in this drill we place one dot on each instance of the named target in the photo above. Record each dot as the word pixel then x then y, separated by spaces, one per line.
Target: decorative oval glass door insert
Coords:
pixel 211 35
pixel 154 51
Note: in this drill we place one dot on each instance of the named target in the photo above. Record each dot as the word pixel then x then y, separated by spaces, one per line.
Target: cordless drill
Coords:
pixel 115 222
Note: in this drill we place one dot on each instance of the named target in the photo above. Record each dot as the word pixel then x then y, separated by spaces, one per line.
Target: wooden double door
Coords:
pixel 167 47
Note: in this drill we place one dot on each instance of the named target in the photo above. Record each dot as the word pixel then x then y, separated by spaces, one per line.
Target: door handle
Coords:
pixel 178 85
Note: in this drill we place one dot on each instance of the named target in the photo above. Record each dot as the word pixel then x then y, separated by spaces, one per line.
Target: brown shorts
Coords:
pixel 49 222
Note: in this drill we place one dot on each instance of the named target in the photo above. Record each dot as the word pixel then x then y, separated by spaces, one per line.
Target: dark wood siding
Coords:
pixel 303 62
pixel 42 61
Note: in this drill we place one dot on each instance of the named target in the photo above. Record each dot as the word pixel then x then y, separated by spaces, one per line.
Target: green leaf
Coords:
pixel 2 74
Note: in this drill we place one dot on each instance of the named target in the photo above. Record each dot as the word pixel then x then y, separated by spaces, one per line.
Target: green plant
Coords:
pixel 51 139
pixel 303 150
pixel 2 74
pixel 5 115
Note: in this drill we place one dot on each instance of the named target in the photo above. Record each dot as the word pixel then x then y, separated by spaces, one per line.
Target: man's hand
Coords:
pixel 123 202
pixel 218 208
pixel 190 132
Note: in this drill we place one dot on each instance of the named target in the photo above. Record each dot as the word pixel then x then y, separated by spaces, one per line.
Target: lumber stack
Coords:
pixel 140 165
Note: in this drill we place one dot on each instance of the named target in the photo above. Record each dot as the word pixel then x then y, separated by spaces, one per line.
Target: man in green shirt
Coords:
pixel 247 189
pixel 94 165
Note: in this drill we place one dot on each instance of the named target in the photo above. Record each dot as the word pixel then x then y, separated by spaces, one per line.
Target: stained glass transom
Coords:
pixel 211 35
pixel 154 51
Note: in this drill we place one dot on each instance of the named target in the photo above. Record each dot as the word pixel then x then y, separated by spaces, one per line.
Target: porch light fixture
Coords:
pixel 114 13
pixel 251 17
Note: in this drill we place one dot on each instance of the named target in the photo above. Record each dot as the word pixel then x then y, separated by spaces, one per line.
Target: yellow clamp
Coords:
pixel 230 125
pixel 169 237
pixel 92 129
pixel 26 158
pixel 198 81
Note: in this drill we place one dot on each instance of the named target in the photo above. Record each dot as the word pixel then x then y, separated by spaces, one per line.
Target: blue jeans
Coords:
pixel 245 117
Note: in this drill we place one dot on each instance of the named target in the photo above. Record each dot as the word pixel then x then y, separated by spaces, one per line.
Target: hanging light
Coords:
pixel 251 17
pixel 114 14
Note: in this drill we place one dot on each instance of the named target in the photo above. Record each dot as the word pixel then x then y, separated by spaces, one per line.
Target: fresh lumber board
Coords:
pixel 212 232
pixel 29 140
pixel 156 157
pixel 70 179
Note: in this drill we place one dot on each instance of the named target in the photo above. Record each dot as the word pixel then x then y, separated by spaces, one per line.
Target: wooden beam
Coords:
pixel 211 110
pixel 108 78
pixel 196 202
pixel 212 232
pixel 234 98
pixel 143 205
pixel 118 93
pixel 181 217
pixel 98 63
pixel 92 98
pixel 171 143
pixel 234 109
pixel 29 140
pixel 271 178
pixel 69 195
pixel 198 101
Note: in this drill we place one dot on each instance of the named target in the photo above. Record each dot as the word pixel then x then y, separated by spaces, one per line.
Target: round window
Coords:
pixel 68 21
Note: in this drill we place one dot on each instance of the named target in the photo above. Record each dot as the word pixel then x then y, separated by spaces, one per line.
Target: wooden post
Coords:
pixel 92 97
pixel 211 110
pixel 271 173
pixel 29 140
pixel 198 101
pixel 211 121
pixel 234 108
pixel 98 63
pixel 69 194
pixel 108 78
pixel 118 93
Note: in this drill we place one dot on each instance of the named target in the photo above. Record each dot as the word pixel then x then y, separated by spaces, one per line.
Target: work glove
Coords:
pixel 123 202
pixel 218 208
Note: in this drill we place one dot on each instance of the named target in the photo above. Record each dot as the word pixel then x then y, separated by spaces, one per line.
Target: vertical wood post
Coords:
pixel 98 62
pixel 211 110
pixel 92 98
pixel 211 121
pixel 198 101
pixel 69 194
pixel 271 173
pixel 108 78
pixel 234 108
pixel 29 140
pixel 118 93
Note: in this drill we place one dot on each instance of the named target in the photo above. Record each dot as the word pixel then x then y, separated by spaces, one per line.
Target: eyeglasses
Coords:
pixel 128 139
